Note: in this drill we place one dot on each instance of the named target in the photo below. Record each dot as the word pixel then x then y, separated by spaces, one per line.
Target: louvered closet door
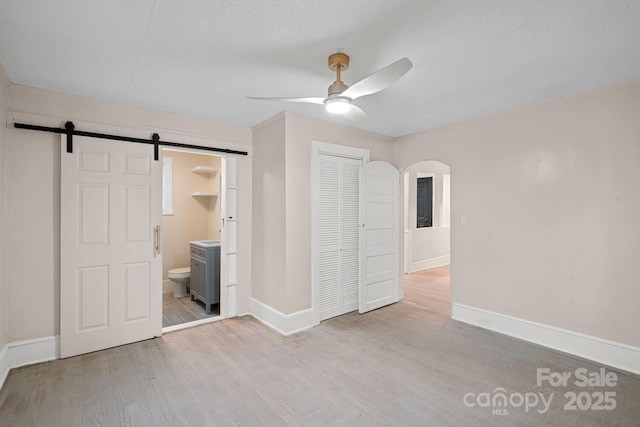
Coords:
pixel 339 257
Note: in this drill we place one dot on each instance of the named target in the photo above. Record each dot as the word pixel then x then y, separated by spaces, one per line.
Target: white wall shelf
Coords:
pixel 204 194
pixel 205 169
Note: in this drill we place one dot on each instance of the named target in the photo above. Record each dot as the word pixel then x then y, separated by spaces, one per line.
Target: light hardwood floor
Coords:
pixel 407 364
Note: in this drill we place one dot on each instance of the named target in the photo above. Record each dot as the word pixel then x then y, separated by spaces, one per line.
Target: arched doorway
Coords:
pixel 426 234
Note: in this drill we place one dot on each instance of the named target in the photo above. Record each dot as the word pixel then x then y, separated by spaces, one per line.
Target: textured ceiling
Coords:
pixel 202 58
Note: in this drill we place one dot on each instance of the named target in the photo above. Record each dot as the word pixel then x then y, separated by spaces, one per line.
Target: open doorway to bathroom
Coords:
pixel 427 236
pixel 191 225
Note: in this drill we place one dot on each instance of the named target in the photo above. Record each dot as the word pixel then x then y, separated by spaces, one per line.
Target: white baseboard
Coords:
pixel 28 352
pixel 599 350
pixel 429 263
pixel 285 324
pixel 4 364
pixel 37 350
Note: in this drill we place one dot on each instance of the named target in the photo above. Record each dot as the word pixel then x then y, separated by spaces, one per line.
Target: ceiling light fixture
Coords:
pixel 337 105
pixel 341 98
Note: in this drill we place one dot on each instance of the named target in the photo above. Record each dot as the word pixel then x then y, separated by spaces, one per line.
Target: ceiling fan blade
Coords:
pixel 379 80
pixel 312 100
pixel 356 114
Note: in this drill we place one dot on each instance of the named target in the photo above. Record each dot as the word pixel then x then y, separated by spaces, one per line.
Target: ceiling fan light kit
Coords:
pixel 337 105
pixel 340 96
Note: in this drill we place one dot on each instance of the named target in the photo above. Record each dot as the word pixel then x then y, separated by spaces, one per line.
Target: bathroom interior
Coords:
pixel 190 224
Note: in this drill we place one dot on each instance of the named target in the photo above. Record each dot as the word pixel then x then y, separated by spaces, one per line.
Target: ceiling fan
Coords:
pixel 340 96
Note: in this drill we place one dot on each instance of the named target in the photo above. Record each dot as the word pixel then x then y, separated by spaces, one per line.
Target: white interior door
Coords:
pixel 379 244
pixel 110 271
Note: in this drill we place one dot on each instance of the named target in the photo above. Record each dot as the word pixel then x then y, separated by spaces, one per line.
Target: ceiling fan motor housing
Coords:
pixel 337 87
pixel 338 60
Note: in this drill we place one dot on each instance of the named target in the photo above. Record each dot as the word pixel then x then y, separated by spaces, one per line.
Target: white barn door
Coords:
pixel 110 262
pixel 379 244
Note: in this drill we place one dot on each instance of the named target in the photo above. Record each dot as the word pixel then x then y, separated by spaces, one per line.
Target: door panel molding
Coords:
pixel 380 239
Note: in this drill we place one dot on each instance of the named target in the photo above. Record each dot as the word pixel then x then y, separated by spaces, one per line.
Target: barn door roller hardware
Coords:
pixel 70 130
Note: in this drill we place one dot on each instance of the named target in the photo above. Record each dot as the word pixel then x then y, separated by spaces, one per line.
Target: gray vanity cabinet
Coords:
pixel 205 274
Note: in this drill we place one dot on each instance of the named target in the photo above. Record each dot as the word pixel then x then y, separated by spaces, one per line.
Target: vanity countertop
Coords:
pixel 205 243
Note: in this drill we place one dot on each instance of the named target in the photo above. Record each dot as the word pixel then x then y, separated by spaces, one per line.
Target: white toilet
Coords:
pixel 180 276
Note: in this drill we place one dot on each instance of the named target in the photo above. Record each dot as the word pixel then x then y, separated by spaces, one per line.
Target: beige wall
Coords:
pixel 194 218
pixel 33 222
pixel 4 96
pixel 33 193
pixel 551 196
pixel 269 218
pixel 285 248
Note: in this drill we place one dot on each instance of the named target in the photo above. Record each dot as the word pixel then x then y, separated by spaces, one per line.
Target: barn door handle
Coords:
pixel 156 233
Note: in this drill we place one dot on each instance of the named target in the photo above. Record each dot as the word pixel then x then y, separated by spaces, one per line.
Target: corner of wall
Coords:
pixel 4 349
pixel 4 79
pixel 4 102
pixel 28 352
pixel 284 324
